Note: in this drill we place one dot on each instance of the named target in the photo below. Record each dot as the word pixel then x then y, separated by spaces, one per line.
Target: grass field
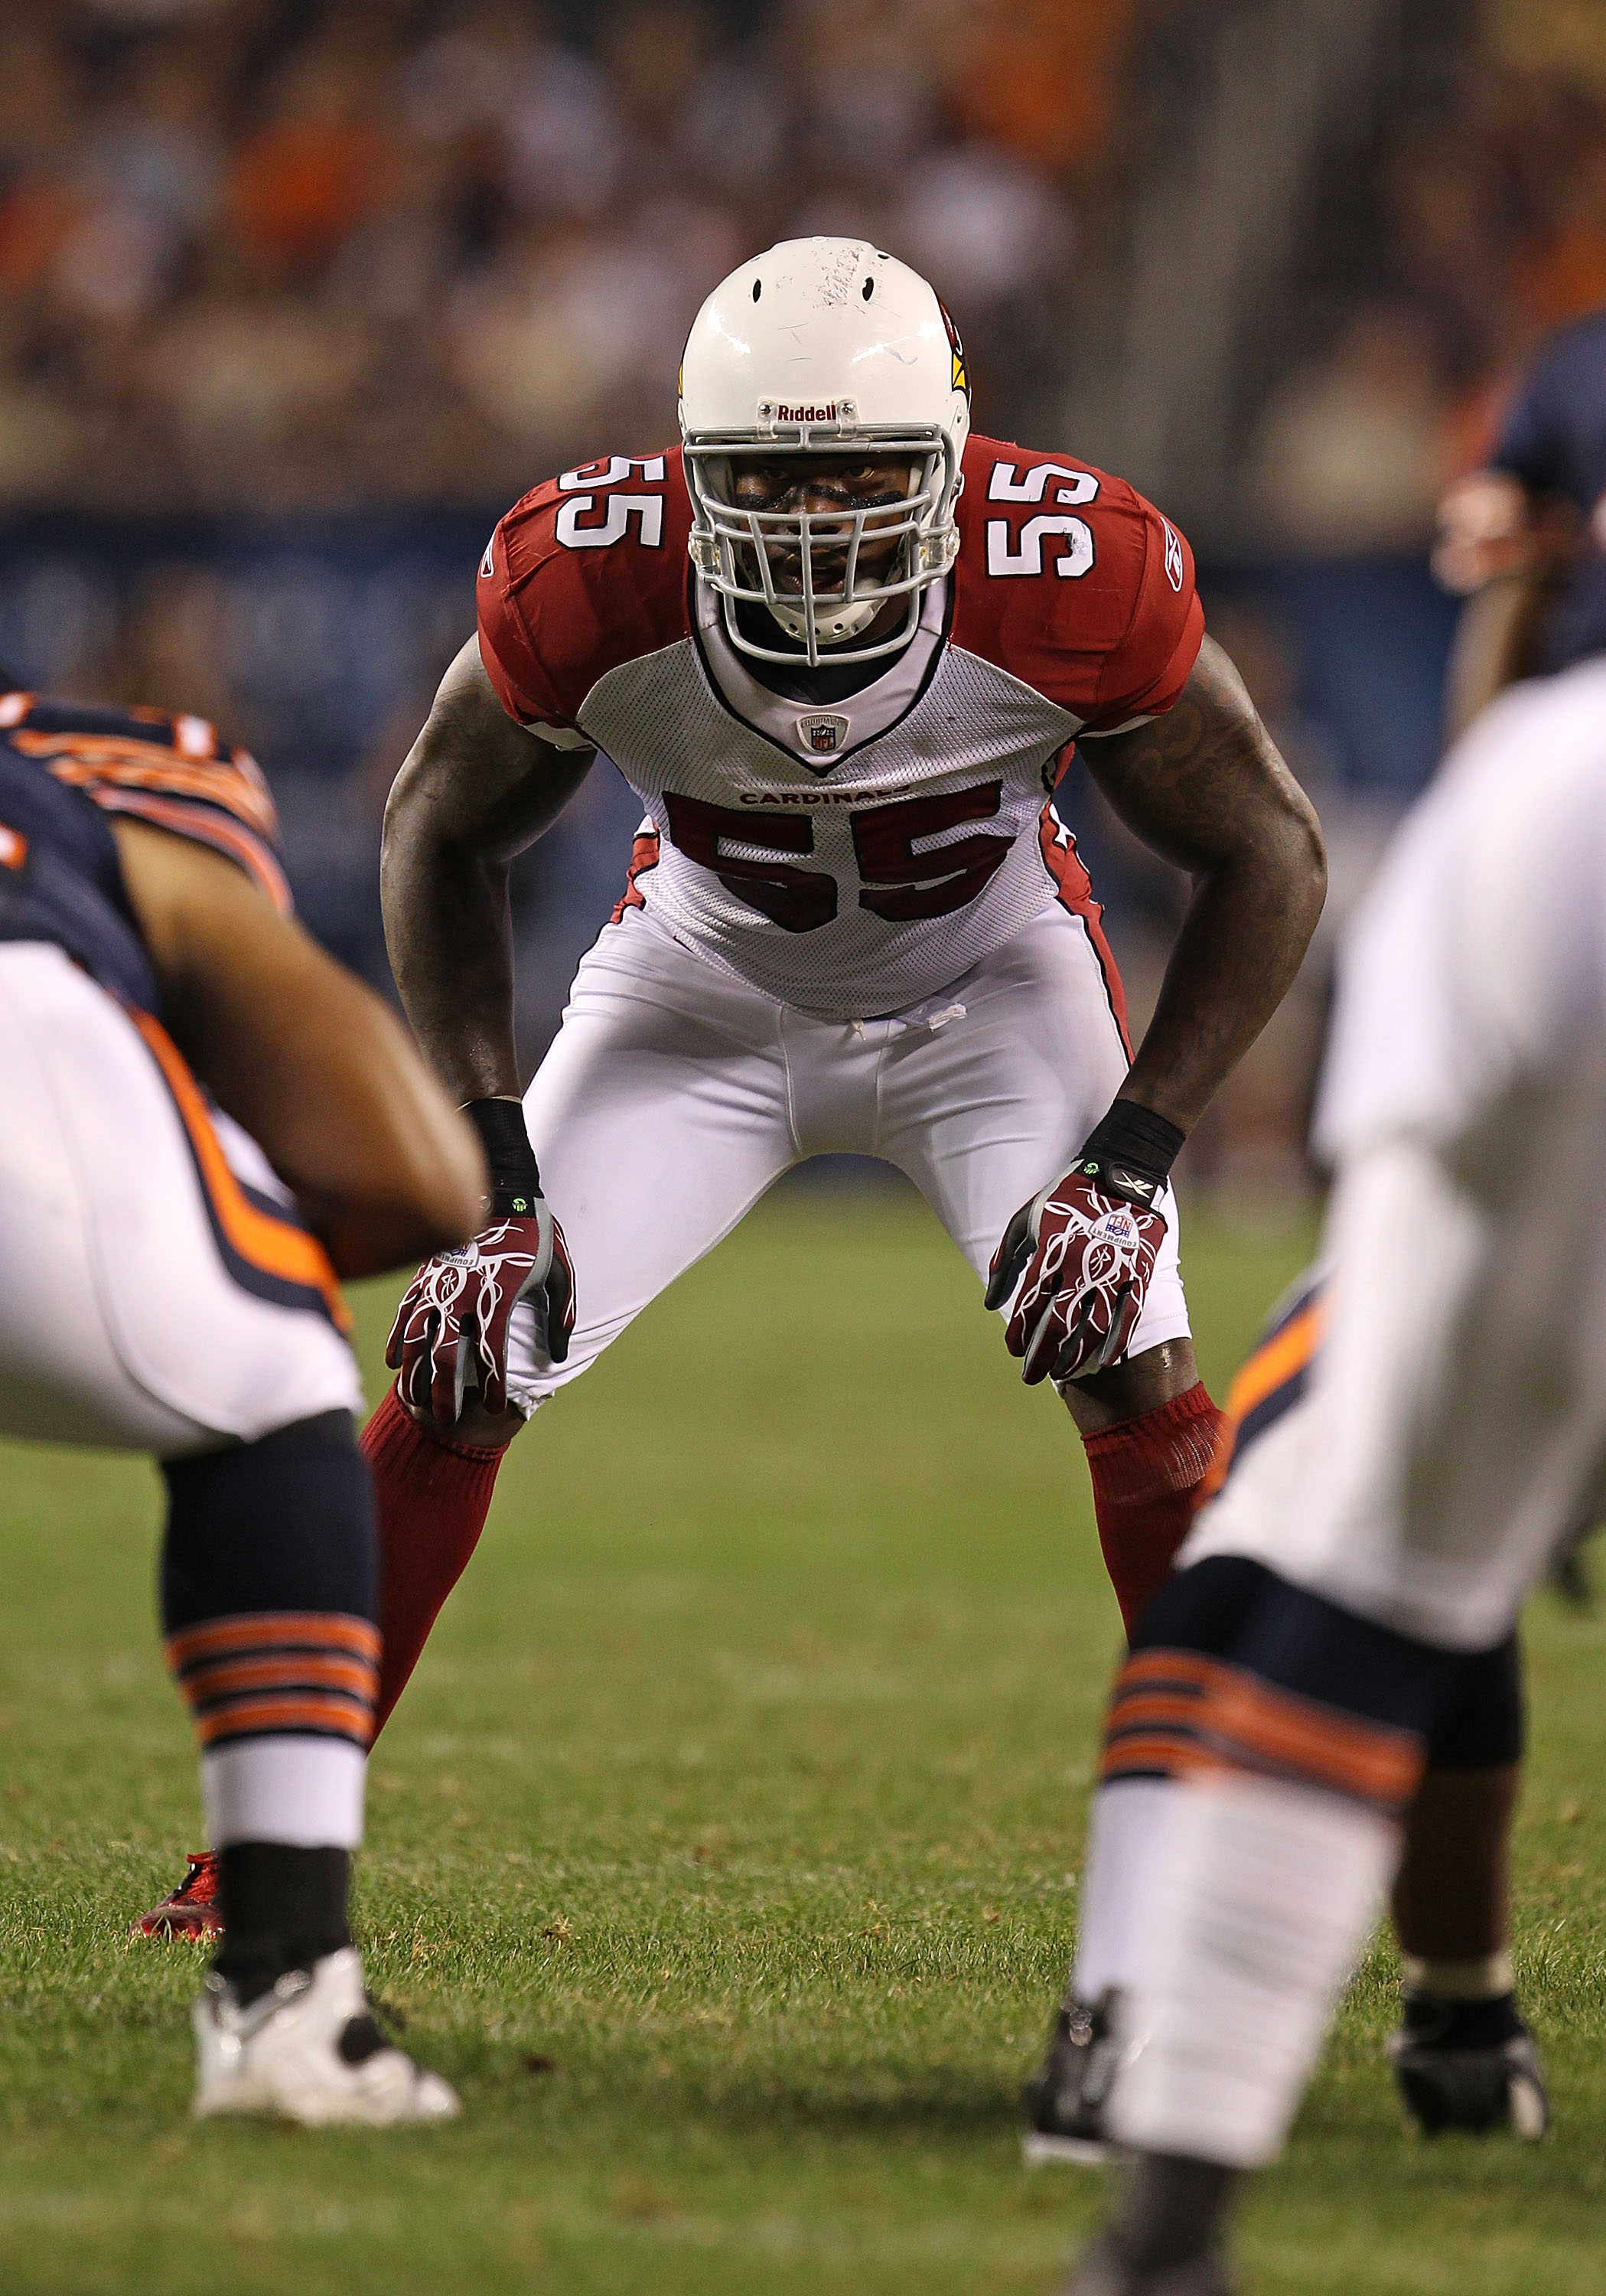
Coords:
pixel 723 1853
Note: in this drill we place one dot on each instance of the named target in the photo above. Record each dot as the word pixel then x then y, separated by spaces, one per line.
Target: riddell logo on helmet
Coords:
pixel 826 414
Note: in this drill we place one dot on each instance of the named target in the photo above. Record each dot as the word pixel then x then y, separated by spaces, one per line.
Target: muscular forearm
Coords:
pixel 1205 788
pixel 306 1058
pixel 475 790
pixel 1246 928
pixel 449 934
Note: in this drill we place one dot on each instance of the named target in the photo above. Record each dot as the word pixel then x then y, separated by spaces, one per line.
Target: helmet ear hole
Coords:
pixel 869 289
pixel 757 289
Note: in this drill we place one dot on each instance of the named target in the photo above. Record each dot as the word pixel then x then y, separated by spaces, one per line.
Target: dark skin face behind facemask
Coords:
pixel 821 485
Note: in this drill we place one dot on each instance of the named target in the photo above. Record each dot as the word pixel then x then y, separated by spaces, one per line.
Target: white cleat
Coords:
pixel 309 2051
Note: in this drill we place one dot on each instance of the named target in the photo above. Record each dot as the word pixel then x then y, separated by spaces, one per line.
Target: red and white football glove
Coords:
pixel 450 1334
pixel 1082 1253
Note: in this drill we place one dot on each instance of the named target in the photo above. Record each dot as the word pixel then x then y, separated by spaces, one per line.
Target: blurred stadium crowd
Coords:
pixel 297 295
pixel 272 253
pixel 1485 227
pixel 265 253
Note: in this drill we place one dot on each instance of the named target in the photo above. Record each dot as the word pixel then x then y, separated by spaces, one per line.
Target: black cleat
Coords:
pixel 1470 2065
pixel 1104 2271
pixel 1068 2095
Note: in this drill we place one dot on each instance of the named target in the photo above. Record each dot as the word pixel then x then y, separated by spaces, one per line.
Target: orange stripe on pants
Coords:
pixel 275 1246
pixel 1288 1351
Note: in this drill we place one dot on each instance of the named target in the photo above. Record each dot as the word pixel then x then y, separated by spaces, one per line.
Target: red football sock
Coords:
pixel 1145 1475
pixel 431 1498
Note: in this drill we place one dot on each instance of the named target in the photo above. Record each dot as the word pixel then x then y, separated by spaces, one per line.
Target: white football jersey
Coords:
pixel 1479 956
pixel 852 859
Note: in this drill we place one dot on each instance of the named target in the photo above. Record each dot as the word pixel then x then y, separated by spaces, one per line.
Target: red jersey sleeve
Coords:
pixel 587 572
pixel 1146 670
pixel 508 646
pixel 1068 581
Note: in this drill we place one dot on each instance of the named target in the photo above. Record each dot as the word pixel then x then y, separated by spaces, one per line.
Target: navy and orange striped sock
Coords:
pixel 1234 1668
pixel 284 1707
pixel 307 1673
pixel 267 1594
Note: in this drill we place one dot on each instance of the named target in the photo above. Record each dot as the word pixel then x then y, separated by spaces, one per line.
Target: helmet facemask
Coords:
pixel 823 575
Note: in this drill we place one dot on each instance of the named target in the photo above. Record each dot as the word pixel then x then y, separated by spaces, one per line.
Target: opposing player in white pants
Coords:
pixel 165 1290
pixel 1420 1428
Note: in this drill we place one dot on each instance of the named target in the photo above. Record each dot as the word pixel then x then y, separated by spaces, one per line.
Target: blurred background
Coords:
pixel 296 296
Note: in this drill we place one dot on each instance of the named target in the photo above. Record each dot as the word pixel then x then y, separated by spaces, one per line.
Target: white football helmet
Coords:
pixel 824 347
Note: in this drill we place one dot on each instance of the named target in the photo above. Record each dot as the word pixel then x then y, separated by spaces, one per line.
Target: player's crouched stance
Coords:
pixel 841 649
pixel 1413 1438
pixel 171 1285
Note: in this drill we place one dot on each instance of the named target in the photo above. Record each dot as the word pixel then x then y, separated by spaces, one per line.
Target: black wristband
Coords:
pixel 515 1174
pixel 1130 1152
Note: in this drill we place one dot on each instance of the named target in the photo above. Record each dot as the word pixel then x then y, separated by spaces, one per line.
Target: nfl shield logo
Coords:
pixel 822 732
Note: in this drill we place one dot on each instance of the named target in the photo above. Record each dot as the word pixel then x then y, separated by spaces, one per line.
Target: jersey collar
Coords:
pixel 820 738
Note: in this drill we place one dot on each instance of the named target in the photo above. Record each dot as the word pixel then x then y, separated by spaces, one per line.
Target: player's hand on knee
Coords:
pixel 1078 1259
pixel 450 1335
pixel 451 1331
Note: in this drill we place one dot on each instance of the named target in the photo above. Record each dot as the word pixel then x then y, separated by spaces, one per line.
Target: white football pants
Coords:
pixel 1453 1427
pixel 120 1321
pixel 674 1095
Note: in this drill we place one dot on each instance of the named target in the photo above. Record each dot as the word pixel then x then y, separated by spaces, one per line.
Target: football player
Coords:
pixel 1524 539
pixel 1521 538
pixel 1420 1426
pixel 841 649
pixel 205 1123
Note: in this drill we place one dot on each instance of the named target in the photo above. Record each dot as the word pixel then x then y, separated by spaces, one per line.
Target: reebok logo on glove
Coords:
pixel 1126 1182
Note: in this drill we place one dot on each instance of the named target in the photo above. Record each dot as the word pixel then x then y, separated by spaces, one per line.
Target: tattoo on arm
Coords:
pixel 1205 788
pixel 475 790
